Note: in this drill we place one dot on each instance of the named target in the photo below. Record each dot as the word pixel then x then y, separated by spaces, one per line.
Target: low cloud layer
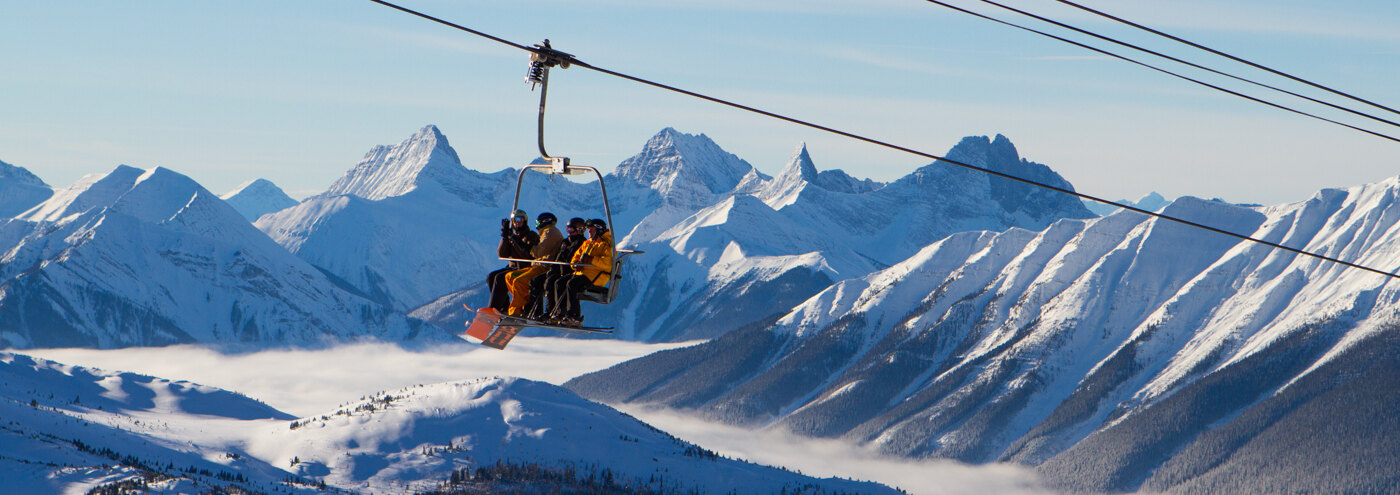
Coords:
pixel 311 382
pixel 832 458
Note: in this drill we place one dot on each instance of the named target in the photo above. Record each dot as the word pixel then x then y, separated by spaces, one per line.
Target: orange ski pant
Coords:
pixel 518 282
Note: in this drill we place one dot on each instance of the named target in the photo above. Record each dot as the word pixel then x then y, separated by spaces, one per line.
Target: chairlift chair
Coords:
pixel 541 59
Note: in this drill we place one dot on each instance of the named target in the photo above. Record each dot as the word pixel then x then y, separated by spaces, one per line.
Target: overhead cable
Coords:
pixel 1191 64
pixel 580 63
pixel 1229 56
pixel 1164 71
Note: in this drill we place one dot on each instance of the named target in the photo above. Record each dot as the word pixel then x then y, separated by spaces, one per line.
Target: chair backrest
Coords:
pixel 608 292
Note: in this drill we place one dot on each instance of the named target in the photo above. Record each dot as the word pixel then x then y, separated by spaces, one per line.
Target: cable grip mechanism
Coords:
pixel 542 57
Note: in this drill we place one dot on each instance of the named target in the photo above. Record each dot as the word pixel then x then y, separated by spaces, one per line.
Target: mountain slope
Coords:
pixel 20 190
pixel 72 428
pixel 1115 353
pixel 374 443
pixel 256 198
pixel 149 257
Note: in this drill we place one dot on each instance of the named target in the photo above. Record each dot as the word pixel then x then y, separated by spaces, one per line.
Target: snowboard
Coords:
pixel 488 328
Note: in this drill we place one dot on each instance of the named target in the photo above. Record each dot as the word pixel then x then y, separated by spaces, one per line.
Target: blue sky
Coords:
pixel 296 92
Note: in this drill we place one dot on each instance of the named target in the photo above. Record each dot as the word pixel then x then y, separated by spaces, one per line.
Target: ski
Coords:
pixel 496 330
pixel 526 322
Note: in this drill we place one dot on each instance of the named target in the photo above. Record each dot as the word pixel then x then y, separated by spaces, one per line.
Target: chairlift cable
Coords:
pixel 1167 72
pixel 451 24
pixel 1231 57
pixel 575 61
pixel 1191 64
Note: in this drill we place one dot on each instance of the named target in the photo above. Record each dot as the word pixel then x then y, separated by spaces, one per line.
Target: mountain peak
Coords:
pixel 20 190
pixel 999 155
pixel 1151 202
pixel 387 171
pixel 799 172
pixel 985 151
pixel 684 168
pixel 258 197
pixel 802 163
pixel 19 175
pixel 156 195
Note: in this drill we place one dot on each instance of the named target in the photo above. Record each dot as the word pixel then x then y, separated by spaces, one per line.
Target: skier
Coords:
pixel 518 281
pixel 542 295
pixel 592 266
pixel 516 241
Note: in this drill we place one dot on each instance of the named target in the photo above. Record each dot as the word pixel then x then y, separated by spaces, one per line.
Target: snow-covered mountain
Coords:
pixel 20 190
pixel 1116 353
pixel 771 243
pixel 410 223
pixel 1151 202
pixel 149 257
pixel 256 198
pixel 684 170
pixel 414 228
pixel 70 429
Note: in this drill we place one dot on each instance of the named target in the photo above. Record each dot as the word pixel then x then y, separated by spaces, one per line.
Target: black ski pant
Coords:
pixel 500 294
pixel 553 297
pixel 567 290
pixel 538 307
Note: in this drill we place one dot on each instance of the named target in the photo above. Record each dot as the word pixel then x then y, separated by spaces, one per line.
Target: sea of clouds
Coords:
pixel 310 382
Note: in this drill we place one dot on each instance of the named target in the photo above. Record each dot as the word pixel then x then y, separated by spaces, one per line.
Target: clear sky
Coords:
pixel 297 91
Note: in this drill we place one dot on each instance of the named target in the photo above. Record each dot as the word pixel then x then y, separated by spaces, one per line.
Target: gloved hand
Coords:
pixel 505 228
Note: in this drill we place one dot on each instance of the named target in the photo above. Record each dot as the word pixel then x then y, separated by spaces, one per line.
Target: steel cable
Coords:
pixel 1229 56
pixel 580 63
pixel 1164 71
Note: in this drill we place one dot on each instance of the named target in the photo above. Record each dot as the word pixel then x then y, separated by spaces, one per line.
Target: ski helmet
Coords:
pixel 599 223
pixel 545 219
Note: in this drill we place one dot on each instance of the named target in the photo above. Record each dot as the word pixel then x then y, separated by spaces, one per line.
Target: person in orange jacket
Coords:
pixel 518 281
pixel 592 266
pixel 516 242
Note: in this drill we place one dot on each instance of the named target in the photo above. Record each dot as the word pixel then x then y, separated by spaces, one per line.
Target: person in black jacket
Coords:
pixel 542 296
pixel 592 266
pixel 516 242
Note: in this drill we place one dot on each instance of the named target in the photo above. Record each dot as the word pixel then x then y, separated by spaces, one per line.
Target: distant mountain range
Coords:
pixel 1116 354
pixel 411 227
pixel 946 314
pixel 70 426
pixel 149 257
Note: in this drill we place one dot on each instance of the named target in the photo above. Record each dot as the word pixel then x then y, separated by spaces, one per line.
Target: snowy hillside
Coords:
pixel 256 198
pixel 72 428
pixel 1115 353
pixel 20 190
pixel 149 257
